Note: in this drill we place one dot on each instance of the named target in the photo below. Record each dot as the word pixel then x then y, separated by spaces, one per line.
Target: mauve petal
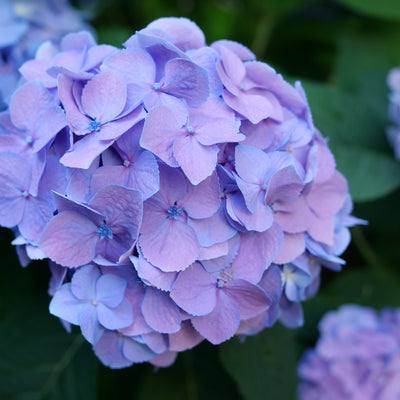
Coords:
pixel 152 275
pixel 122 207
pixel 160 312
pixel 83 283
pixel 285 185
pixel 186 34
pixel 202 200
pixel 195 290
pixel 15 176
pixel 214 251
pixel 64 203
pixel 38 212
pixel 138 325
pixel 159 133
pixel 259 220
pixel 271 282
pixel 293 245
pixel 78 122
pixel 322 230
pixel 114 129
pixel 90 326
pixel 85 151
pixel 326 163
pixel 69 239
pixel 117 317
pixel 137 352
pixel 256 252
pixel 290 313
pixel 110 290
pixel 104 96
pixel 109 350
pixel 252 106
pixel 221 324
pixel 197 161
pixel 233 66
pixel 28 103
pixel 164 359
pixel 186 338
pixel 186 80
pixel 326 199
pixel 250 299
pixel 212 230
pixel 224 261
pixel 248 155
pixel 135 65
pixel 173 247
pixel 66 306
pixel 294 216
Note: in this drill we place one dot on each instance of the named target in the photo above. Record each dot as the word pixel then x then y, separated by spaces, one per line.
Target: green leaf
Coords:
pixel 196 374
pixel 264 366
pixel 388 9
pixel 355 127
pixel 39 360
pixel 371 174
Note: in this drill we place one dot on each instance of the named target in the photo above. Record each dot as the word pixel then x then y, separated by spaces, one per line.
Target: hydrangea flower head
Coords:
pixel 356 357
pixel 393 131
pixel 180 191
pixel 24 26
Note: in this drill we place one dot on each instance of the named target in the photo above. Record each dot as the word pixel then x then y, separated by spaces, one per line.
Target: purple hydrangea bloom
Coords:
pixel 24 25
pixel 393 131
pixel 356 357
pixel 180 191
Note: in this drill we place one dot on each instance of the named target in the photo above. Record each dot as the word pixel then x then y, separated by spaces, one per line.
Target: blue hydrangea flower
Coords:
pixel 180 191
pixel 356 357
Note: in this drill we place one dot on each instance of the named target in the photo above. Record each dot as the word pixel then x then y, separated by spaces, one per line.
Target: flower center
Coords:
pixel 105 232
pixel 94 125
pixel 156 86
pixel 174 212
pixel 225 276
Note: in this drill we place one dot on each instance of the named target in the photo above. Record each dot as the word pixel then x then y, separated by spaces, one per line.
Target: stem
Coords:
pixel 190 379
pixel 61 365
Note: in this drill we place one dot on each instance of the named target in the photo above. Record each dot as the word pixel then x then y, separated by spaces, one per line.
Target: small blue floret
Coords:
pixel 175 212
pixel 105 232
pixel 94 126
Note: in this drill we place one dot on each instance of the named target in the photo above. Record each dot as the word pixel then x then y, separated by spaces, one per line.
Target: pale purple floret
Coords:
pixel 106 228
pixel 356 357
pixel 118 351
pixel 138 168
pixel 166 238
pixel 393 131
pixel 219 302
pixel 24 25
pixel 37 116
pixel 99 111
pixel 93 301
pixel 180 83
pixel 192 146
pixel 180 191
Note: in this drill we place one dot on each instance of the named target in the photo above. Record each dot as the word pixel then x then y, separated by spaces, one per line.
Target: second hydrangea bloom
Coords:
pixel 189 180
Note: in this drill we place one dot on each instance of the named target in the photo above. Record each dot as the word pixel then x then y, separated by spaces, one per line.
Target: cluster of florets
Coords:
pixel 357 357
pixel 181 191
pixel 393 131
pixel 24 25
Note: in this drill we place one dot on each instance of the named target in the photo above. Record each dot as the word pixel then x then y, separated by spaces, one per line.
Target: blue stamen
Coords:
pixel 105 232
pixel 175 212
pixel 94 125
pixel 156 86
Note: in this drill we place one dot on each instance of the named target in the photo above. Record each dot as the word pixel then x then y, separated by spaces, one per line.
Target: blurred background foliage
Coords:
pixel 341 50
